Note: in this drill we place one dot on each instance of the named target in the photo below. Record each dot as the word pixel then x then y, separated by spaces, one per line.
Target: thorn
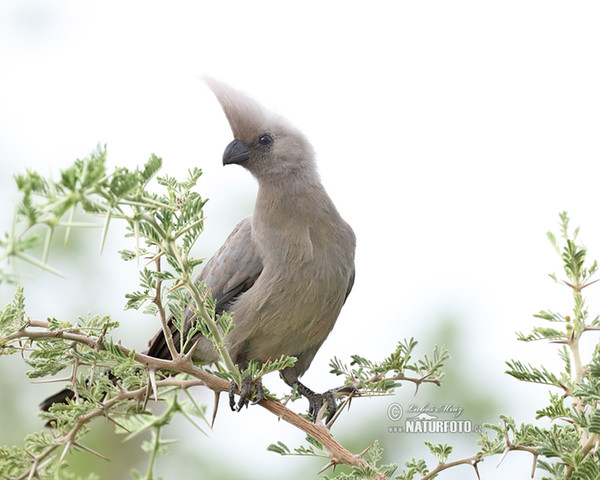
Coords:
pixel 188 356
pixel 64 452
pixel 89 450
pixel 335 417
pixel 506 433
pixel 476 469
pixel 417 384
pixel 146 397
pixel 589 283
pixel 112 420
pixel 362 454
pixel 53 380
pixel 33 470
pixel 105 230
pixel 506 450
pixel 331 463
pixel 68 230
pixel 154 258
pixel 215 410
pixel 22 349
pixel 321 412
pixel 179 285
pixel 152 377
pixel 26 325
pixel 347 401
pixel 535 457
pixel 136 232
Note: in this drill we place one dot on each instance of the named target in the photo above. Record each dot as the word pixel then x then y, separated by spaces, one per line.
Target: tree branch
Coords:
pixel 157 300
pixel 473 461
pixel 338 454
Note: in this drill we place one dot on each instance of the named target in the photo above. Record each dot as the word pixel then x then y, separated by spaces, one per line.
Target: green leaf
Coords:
pixel 151 168
pixel 280 448
pixel 532 374
pixel 13 315
pixel 440 451
pixel 541 333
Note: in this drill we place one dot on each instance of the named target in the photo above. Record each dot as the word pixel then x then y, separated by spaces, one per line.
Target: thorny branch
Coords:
pixel 572 443
pixel 68 439
pixel 165 225
pixel 474 460
pixel 402 377
pixel 37 329
pixel 157 300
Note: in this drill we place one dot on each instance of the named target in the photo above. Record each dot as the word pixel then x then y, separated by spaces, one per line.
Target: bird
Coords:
pixel 284 272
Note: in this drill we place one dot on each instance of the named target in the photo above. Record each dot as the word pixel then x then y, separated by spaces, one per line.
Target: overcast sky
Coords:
pixel 449 134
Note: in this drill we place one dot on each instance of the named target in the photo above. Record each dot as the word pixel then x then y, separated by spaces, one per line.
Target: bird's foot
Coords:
pixel 247 389
pixel 316 401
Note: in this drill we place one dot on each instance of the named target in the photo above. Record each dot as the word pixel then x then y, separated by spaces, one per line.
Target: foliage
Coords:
pixel 164 219
pixel 567 448
pixel 372 378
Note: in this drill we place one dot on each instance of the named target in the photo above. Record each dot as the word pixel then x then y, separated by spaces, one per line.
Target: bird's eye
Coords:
pixel 265 139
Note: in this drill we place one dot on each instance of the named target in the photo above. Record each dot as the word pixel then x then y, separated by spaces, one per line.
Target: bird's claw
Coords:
pixel 246 390
pixel 317 400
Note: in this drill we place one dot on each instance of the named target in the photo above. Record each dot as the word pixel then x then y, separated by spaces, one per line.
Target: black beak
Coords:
pixel 236 152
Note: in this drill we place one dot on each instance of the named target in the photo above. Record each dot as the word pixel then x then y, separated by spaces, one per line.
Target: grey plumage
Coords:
pixel 286 271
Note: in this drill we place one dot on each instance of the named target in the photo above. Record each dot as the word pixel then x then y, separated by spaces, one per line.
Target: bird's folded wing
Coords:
pixel 234 268
pixel 229 273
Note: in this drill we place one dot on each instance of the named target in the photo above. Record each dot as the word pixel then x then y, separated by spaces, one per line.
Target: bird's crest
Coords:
pixel 247 118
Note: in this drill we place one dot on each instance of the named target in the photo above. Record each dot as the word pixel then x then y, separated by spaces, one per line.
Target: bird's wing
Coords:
pixel 229 273
pixel 350 284
pixel 234 268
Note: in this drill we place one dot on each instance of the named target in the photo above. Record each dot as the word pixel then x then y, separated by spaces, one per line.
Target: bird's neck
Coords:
pixel 285 221
pixel 286 201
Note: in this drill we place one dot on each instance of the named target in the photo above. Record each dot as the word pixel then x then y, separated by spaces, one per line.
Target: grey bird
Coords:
pixel 286 271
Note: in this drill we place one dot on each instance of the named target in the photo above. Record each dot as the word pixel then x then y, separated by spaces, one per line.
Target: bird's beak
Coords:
pixel 236 152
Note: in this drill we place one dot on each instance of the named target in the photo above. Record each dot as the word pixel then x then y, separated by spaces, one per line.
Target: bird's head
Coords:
pixel 264 142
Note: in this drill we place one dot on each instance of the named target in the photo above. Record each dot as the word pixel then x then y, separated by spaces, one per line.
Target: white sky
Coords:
pixel 449 134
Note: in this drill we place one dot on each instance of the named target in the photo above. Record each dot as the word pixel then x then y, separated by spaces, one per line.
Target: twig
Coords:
pixel 338 454
pixel 157 300
pixel 473 461
pixel 401 377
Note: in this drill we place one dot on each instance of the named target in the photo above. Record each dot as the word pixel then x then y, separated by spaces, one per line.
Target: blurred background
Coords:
pixel 449 134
